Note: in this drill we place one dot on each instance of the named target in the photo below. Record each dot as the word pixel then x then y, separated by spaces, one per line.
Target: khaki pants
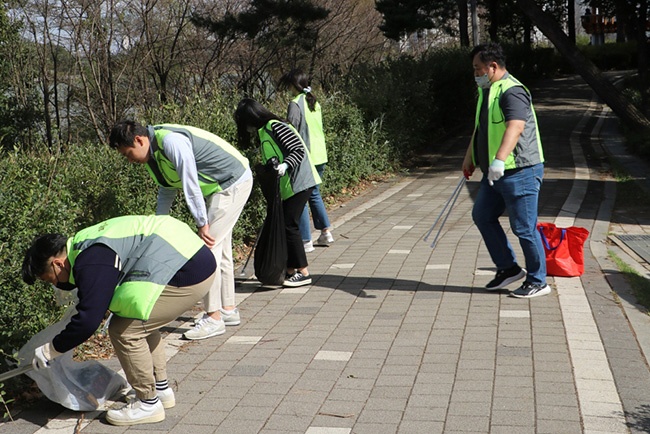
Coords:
pixel 138 344
pixel 224 209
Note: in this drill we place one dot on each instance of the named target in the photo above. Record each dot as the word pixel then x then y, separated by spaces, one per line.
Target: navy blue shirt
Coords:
pixel 97 277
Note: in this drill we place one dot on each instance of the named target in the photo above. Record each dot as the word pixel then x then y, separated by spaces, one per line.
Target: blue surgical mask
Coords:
pixel 483 81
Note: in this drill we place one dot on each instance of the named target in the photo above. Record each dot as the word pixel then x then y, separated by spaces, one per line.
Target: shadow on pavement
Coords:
pixel 639 419
pixel 363 287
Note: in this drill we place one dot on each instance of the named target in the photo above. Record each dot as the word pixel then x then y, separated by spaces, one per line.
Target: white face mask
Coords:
pixel 483 81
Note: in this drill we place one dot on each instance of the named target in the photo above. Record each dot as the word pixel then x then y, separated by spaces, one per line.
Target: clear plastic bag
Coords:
pixel 79 386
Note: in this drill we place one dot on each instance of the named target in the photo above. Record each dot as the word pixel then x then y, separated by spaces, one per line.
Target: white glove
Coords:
pixel 282 169
pixel 495 171
pixel 43 355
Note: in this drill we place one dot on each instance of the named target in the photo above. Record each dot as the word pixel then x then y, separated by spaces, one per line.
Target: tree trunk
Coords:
pixel 475 35
pixel 493 8
pixel 46 108
pixel 462 23
pixel 623 108
pixel 642 56
pixel 622 17
pixel 528 30
pixel 571 20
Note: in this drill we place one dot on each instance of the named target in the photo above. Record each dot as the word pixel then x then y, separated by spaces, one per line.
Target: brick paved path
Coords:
pixel 394 337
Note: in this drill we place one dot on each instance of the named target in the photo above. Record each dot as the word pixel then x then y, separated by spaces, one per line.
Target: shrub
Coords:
pixel 44 193
pixel 612 56
pixel 416 101
pixel 530 63
pixel 355 150
pixel 84 184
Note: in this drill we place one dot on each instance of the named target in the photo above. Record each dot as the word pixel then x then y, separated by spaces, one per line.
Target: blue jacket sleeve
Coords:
pixel 96 277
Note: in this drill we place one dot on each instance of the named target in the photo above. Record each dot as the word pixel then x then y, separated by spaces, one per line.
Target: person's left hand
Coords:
pixel 496 170
pixel 43 355
pixel 282 169
pixel 204 234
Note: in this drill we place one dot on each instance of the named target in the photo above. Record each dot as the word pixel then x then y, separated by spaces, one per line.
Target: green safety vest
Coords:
pixel 151 249
pixel 311 130
pixel 218 163
pixel 497 128
pixel 301 178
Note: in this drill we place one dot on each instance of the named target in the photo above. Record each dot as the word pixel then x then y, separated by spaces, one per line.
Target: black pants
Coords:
pixel 292 208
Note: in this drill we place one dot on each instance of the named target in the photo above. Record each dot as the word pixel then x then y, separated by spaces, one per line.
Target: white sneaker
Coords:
pixel 205 328
pixel 309 246
pixel 166 396
pixel 325 239
pixel 230 318
pixel 135 413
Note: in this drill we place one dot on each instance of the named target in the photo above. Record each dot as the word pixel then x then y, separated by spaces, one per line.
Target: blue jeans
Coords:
pixel 318 211
pixel 517 192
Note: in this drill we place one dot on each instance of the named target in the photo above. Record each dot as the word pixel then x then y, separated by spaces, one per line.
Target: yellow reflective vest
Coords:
pixel 528 152
pixel 151 249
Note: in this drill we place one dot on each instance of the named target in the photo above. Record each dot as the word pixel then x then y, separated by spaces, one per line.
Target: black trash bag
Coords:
pixel 270 260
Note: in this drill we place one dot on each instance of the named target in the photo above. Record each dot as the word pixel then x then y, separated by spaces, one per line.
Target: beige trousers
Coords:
pixel 138 344
pixel 224 209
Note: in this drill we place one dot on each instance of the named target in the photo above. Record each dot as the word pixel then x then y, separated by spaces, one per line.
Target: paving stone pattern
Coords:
pixel 396 337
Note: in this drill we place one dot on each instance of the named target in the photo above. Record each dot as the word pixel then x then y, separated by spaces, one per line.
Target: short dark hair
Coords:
pixel 123 133
pixel 36 257
pixel 491 52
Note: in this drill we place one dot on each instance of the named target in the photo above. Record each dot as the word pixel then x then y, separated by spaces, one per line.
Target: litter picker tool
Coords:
pixel 446 210
pixel 242 272
pixel 15 372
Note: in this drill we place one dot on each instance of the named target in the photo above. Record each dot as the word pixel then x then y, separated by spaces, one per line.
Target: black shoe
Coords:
pixel 506 277
pixel 530 290
pixel 298 279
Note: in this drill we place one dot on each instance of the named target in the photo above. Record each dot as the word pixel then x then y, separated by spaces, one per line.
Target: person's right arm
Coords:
pixel 96 275
pixel 178 149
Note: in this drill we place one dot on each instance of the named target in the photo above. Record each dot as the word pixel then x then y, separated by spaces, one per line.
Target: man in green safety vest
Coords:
pixel 147 270
pixel 506 145
pixel 216 181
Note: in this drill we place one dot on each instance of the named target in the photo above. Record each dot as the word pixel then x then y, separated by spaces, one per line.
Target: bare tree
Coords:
pixel 164 22
pixel 206 57
pixel 642 56
pixel 20 115
pixel 350 35
pixel 43 25
pixel 623 108
pixel 571 20
pixel 91 29
pixel 103 60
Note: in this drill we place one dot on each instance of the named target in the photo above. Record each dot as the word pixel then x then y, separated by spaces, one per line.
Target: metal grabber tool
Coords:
pixel 446 210
pixel 242 271
pixel 15 372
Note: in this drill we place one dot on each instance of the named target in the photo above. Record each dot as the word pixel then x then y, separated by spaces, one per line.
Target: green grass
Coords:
pixel 639 284
pixel 629 195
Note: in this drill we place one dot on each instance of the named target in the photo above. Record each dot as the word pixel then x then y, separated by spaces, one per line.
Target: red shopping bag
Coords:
pixel 564 249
